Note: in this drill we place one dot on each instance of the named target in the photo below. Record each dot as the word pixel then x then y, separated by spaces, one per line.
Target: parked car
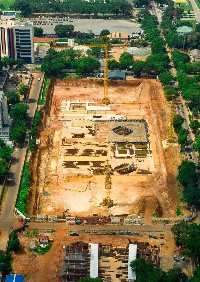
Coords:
pixel 73 234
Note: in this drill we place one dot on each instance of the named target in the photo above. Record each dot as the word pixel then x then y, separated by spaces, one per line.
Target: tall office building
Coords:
pixel 17 40
pixel 4 118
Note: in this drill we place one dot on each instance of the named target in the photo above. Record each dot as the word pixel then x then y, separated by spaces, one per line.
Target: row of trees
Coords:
pixel 6 260
pixel 10 62
pixel 146 271
pixel 187 176
pixel 54 62
pixel 5 156
pixel 112 7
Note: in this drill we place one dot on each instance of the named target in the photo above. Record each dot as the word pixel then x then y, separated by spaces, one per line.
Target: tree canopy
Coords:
pixel 146 271
pixel 12 97
pixel 99 7
pixel 187 236
pixel 4 170
pixel 38 31
pixel 23 89
pixel 187 173
pixel 177 123
pixel 86 65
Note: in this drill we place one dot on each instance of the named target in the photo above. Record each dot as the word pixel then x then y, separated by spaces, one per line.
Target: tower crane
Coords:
pixel 106 45
pixel 107 201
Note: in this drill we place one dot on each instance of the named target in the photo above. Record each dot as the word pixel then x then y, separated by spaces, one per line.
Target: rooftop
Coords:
pixel 15 278
pixel 184 29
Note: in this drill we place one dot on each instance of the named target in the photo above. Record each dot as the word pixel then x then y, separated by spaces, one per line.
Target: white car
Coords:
pixel 39 79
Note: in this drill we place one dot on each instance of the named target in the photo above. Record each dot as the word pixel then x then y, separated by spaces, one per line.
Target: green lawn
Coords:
pixel 185 6
pixel 7 4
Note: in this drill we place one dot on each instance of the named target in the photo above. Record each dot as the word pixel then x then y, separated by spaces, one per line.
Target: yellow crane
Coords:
pixel 106 45
pixel 107 201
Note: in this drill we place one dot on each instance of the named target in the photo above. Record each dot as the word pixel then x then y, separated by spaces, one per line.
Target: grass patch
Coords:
pixel 42 251
pixel 6 4
pixel 44 92
pixel 187 7
pixel 32 234
pixel 21 204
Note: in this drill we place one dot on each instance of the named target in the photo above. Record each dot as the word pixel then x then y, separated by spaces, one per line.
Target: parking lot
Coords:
pixel 87 25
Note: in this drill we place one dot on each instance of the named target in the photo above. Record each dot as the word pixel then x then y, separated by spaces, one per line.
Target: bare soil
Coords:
pixel 46 268
pixel 56 189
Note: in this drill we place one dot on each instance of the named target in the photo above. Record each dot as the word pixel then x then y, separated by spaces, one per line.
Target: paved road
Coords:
pixel 140 228
pixel 7 220
pixel 196 9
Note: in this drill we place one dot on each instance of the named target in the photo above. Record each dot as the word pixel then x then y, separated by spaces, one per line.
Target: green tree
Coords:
pixel 54 63
pixel 4 170
pixel 38 31
pixel 141 3
pixel 188 237
pixel 104 32
pixel 196 272
pixel 19 63
pixel 177 123
pixel 113 64
pixel 6 152
pixel 19 112
pixel 142 14
pixel 182 137
pixel 86 65
pixel 175 275
pixel 8 62
pixel 191 195
pixel 12 97
pixel 23 89
pixel 64 30
pixel 5 264
pixel 94 51
pixel 125 60
pixel 166 77
pixel 18 131
pixel 157 45
pixel 196 145
pixel 138 67
pixel 145 271
pixel 195 125
pixel 13 242
pixel 187 173
pixel 192 40
pixel 23 6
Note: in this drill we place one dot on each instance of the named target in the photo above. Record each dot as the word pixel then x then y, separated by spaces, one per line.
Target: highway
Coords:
pixel 7 218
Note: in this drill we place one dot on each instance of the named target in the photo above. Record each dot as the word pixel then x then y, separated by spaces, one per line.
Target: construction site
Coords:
pixel 104 159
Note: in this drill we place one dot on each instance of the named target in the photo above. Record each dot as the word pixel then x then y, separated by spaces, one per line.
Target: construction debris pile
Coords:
pixel 125 169
pixel 122 130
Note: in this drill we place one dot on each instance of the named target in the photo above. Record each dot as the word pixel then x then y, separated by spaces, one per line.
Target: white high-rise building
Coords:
pixel 17 40
pixel 4 118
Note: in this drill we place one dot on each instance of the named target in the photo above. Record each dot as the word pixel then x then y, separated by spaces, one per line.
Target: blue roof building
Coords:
pixel 14 278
